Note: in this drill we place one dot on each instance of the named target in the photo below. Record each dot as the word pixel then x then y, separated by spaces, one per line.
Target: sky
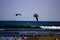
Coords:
pixel 48 10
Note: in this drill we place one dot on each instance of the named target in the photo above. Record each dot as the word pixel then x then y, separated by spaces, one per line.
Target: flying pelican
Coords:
pixel 36 16
pixel 18 14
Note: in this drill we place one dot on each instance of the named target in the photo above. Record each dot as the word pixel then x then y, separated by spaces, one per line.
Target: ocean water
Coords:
pixel 9 33
pixel 29 32
pixel 29 23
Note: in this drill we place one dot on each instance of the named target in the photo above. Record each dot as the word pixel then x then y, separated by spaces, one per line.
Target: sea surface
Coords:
pixel 29 23
pixel 9 33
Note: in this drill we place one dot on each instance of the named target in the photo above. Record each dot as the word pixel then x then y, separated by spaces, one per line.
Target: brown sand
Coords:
pixel 43 38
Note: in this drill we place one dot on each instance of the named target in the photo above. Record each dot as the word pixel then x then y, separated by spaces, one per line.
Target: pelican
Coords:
pixel 36 16
pixel 18 14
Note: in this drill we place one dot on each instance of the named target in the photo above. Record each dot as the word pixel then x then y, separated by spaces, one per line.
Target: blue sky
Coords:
pixel 48 10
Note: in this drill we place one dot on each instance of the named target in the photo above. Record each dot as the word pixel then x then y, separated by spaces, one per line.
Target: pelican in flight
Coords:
pixel 18 14
pixel 36 16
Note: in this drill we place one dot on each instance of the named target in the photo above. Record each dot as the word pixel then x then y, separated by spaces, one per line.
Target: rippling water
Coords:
pixel 14 32
pixel 29 23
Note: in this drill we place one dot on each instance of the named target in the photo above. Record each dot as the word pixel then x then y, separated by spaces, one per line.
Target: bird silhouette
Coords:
pixel 18 14
pixel 36 16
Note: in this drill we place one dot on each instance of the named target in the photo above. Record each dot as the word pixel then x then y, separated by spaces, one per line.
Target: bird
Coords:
pixel 18 14
pixel 36 16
